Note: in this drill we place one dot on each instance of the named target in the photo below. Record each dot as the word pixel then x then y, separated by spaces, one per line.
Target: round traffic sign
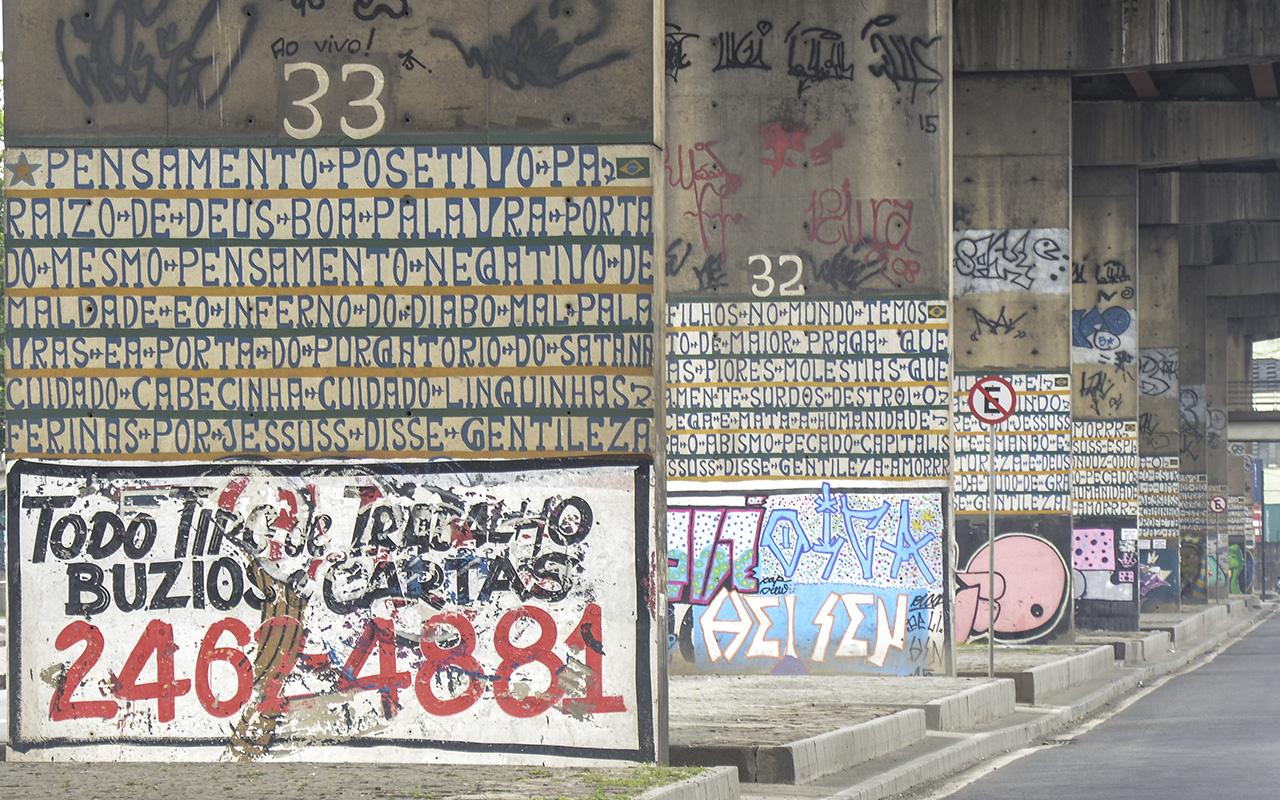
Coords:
pixel 992 400
pixel 1218 504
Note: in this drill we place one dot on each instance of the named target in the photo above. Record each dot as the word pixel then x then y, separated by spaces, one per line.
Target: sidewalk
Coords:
pixel 861 737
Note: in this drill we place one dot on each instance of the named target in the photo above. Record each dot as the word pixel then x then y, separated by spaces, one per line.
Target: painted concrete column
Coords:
pixel 807 210
pixel 1193 460
pixel 1217 456
pixel 1104 358
pixel 1158 418
pixel 1012 304
pixel 1239 563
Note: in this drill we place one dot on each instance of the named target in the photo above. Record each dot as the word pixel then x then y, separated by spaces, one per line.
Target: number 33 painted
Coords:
pixel 378 83
pixel 763 284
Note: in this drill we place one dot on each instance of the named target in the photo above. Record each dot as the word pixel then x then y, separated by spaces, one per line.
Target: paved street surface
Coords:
pixel 1211 733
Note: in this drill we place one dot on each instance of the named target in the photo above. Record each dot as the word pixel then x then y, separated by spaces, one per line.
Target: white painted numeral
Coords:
pixel 322 86
pixel 372 100
pixel 369 101
pixel 793 287
pixel 763 283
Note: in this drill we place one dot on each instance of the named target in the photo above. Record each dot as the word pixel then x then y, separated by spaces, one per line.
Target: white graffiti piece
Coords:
pixel 1032 260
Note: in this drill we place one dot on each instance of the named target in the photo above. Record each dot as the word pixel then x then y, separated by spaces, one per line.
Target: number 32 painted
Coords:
pixel 763 284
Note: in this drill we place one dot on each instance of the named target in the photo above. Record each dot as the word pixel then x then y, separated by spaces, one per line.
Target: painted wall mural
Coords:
pixel 1158 522
pixel 434 302
pixel 1033 581
pixel 1105 580
pixel 1105 468
pixel 255 612
pixel 807 390
pixel 829 581
pixel 1240 563
pixel 1033 449
pixel 1160 571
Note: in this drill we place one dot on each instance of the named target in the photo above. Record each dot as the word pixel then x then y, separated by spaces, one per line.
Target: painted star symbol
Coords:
pixel 23 170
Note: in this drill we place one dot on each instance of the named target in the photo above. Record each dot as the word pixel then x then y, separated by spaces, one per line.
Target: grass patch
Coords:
pixel 631 782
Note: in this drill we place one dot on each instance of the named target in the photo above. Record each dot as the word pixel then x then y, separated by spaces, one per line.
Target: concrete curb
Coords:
pixel 972 707
pixel 970 750
pixel 1037 683
pixel 1192 628
pixel 717 783
pixel 806 760
pixel 1136 651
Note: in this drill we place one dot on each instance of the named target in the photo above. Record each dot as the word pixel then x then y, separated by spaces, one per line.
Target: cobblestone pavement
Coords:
pixel 325 782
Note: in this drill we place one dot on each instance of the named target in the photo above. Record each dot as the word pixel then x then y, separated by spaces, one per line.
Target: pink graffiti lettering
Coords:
pixel 834 217
pixel 700 172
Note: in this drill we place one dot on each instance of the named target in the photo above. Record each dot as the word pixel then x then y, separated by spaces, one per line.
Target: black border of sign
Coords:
pixel 646 750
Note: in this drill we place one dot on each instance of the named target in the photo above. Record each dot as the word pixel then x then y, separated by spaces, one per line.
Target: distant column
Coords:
pixel 1159 436
pixel 1193 460
pixel 1104 360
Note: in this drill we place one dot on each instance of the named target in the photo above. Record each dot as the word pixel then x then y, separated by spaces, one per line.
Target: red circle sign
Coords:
pixel 992 400
pixel 1218 504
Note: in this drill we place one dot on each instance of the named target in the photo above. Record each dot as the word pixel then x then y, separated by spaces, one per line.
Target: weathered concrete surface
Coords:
pixel 1158 340
pixel 805 142
pixel 1169 134
pixel 1244 280
pixel 1112 35
pixel 804 760
pixel 1104 405
pixel 1188 198
pixel 1188 626
pixel 1012 173
pixel 1226 243
pixel 219 67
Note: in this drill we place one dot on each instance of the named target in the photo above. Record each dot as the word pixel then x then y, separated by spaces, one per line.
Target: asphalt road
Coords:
pixel 1210 734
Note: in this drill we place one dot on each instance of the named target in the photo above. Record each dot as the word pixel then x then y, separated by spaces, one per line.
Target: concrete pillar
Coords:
pixel 1012 304
pixel 1193 461
pixel 1104 358
pixel 1216 368
pixel 1158 418
pixel 1240 556
pixel 807 217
